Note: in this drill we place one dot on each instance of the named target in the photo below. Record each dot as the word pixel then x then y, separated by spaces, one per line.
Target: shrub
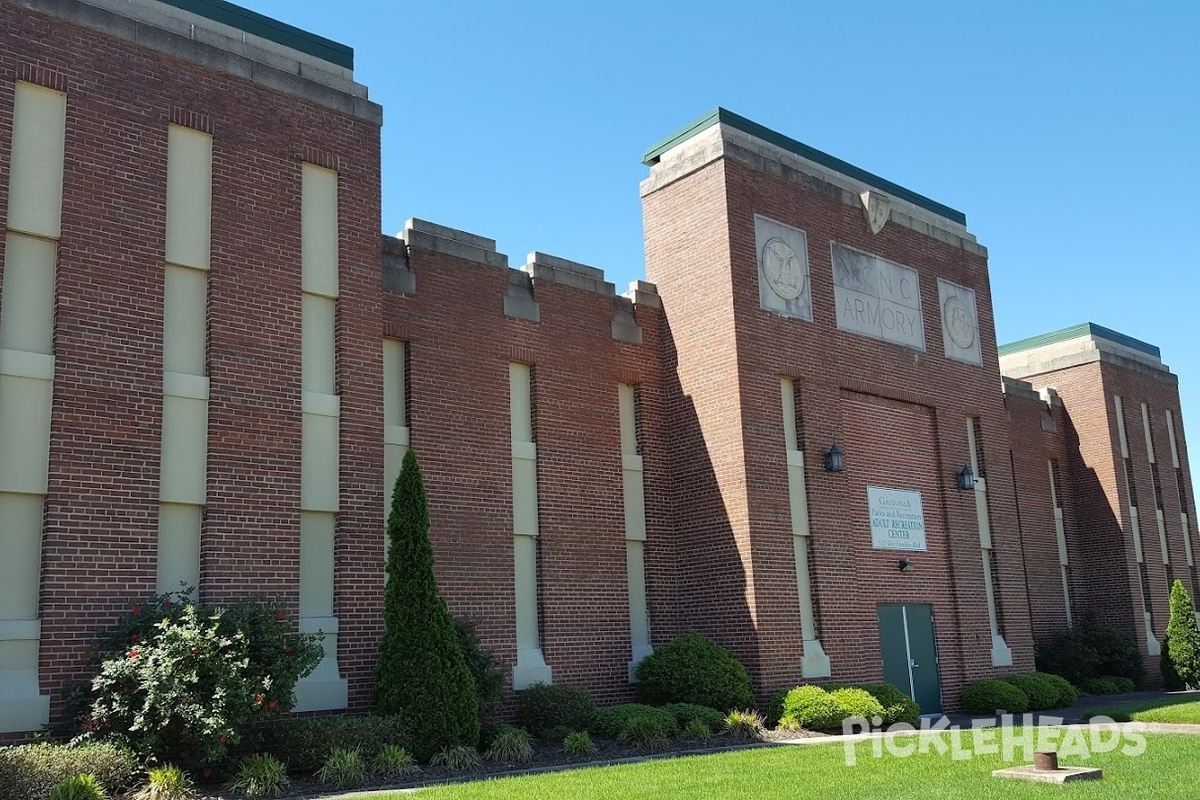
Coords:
pixel 693 669
pixel 987 696
pixel 579 743
pixel 343 768
pixel 260 776
pixel 611 722
pixel 775 709
pixel 167 782
pixel 810 707
pixel 186 679
pixel 1042 693
pixel 308 741
pixel 421 675
pixel 546 706
pixel 854 702
pixel 456 757
pixel 744 725
pixel 487 673
pixel 511 744
pixel 1181 650
pixel 687 713
pixel 645 731
pixel 1091 650
pixel 31 771
pixel 1067 694
pixel 897 706
pixel 393 761
pixel 80 787
pixel 697 729
pixel 1108 684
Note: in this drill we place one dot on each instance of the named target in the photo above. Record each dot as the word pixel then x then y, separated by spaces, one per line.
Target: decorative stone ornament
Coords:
pixel 782 269
pixel 877 208
pixel 782 256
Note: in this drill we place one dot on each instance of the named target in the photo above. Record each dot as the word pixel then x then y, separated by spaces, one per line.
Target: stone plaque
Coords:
pixel 783 285
pixel 876 297
pixel 897 521
pixel 960 323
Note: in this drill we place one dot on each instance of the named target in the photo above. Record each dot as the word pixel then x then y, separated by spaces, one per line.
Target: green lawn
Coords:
pixel 1168 709
pixel 1167 768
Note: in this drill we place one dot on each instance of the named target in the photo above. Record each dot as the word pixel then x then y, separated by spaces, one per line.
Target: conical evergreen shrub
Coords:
pixel 1182 649
pixel 421 676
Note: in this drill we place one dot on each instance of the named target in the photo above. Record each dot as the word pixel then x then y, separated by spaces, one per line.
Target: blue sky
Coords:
pixel 1068 132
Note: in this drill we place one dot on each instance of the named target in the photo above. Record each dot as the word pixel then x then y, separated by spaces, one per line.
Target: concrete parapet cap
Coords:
pixel 644 294
pixel 422 235
pixel 542 267
pixel 1018 388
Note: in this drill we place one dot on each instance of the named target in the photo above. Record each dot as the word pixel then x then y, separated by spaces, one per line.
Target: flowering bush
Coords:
pixel 180 681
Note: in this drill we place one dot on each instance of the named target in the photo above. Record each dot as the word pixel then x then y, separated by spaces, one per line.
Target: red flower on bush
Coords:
pixel 287 651
pixel 207 773
pixel 167 604
pixel 258 699
pixel 279 614
pixel 133 654
pixel 271 706
pixel 137 610
pixel 222 739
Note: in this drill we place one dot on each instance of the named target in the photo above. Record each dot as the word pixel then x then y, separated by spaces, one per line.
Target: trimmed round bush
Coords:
pixel 1066 693
pixel 775 708
pixel 545 707
pixel 1042 693
pixel 693 669
pixel 987 696
pixel 687 713
pixel 615 722
pixel 854 702
pixel 810 707
pixel 1091 649
pixel 31 771
pixel 897 706
pixel 1108 684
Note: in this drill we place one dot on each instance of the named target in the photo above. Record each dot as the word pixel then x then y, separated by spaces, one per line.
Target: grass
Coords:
pixel 1165 769
pixel 1169 709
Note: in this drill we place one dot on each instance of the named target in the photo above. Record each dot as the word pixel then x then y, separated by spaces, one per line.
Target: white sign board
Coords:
pixel 876 297
pixel 897 521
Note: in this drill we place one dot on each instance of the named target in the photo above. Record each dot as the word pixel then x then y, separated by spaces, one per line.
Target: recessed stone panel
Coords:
pixel 960 322
pixel 877 297
pixel 782 254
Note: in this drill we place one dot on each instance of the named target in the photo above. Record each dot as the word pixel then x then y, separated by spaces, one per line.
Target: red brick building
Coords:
pixel 210 369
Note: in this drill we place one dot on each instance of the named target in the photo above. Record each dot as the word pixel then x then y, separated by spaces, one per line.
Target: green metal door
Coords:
pixel 910 653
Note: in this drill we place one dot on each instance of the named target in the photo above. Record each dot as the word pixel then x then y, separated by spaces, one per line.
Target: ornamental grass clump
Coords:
pixel 167 782
pixel 510 744
pixel 343 769
pixel 579 743
pixel 260 776
pixel 392 761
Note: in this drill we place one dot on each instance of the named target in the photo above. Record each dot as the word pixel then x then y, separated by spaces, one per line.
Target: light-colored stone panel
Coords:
pixel 393 460
pixel 876 297
pixel 36 176
pixel 184 451
pixel 20 566
pixel 316 564
pixel 319 231
pixel 27 302
pixel 783 280
pixel 1162 536
pixel 24 434
pixel 520 401
pixel 525 504
pixel 797 493
pixel 1187 539
pixel 317 334
pixel 634 496
pixel 787 395
pixel 1171 439
pixel 960 322
pixel 1119 410
pixel 639 618
pixel 21 364
pixel 1146 431
pixel 189 196
pixel 324 689
pixel 1135 528
pixel 394 401
pixel 525 571
pixel 627 406
pixel 319 463
pixel 185 296
pixel 178 546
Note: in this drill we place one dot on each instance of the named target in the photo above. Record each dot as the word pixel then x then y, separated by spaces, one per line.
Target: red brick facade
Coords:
pixel 719 550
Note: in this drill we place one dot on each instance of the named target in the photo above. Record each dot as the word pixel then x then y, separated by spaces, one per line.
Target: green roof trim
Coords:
pixel 1076 331
pixel 721 115
pixel 259 25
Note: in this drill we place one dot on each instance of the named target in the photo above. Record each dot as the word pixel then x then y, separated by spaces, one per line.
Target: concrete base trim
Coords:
pixel 531 668
pixel 1001 653
pixel 815 664
pixel 1060 775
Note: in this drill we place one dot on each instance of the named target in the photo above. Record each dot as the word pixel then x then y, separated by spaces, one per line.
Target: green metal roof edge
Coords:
pixel 1076 331
pixel 721 115
pixel 260 25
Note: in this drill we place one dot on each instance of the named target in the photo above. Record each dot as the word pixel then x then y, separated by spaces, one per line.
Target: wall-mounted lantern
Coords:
pixel 833 459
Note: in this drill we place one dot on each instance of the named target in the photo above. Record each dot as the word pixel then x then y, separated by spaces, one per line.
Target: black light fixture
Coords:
pixel 906 565
pixel 965 479
pixel 833 459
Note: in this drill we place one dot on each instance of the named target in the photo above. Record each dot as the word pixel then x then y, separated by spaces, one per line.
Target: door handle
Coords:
pixel 912 663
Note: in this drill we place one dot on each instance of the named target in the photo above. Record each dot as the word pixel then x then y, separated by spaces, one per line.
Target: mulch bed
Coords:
pixel 547 756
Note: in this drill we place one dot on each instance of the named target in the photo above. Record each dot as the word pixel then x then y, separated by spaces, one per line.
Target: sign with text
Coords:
pixel 897 521
pixel 877 297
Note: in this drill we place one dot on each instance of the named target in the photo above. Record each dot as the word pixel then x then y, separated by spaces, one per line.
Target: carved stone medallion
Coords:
pixel 877 208
pixel 959 324
pixel 782 269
